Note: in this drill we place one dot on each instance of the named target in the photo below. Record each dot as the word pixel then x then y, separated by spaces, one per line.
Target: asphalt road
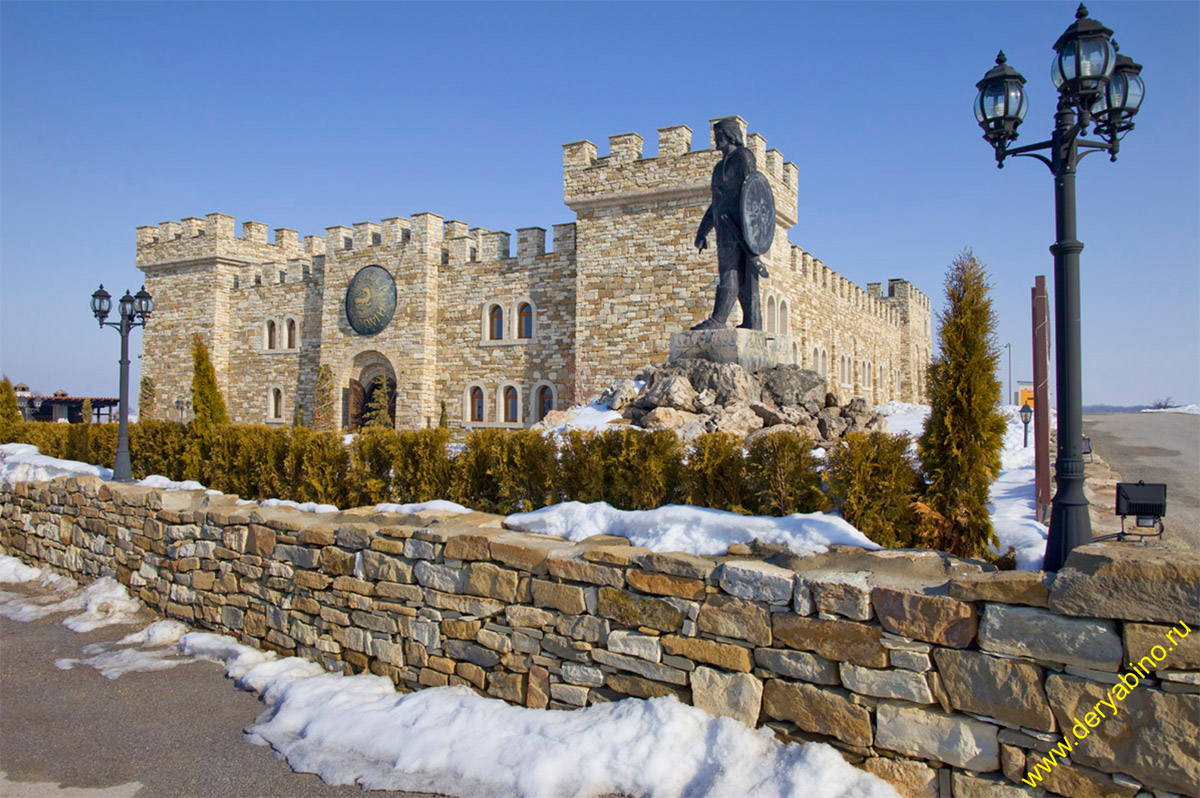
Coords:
pixel 1156 447
pixel 151 735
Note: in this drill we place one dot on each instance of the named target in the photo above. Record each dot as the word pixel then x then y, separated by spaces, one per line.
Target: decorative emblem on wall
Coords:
pixel 758 214
pixel 370 300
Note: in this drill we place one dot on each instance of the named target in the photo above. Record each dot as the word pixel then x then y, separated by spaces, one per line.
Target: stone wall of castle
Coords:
pixel 616 283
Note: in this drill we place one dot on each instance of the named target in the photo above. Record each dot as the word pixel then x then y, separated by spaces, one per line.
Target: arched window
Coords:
pixel 511 405
pixel 783 317
pixel 270 334
pixel 525 320
pixel 496 323
pixel 477 404
pixel 816 361
pixel 545 401
pixel 771 314
pixel 291 333
pixel 276 403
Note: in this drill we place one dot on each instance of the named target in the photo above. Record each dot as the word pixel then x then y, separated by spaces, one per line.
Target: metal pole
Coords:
pixel 1010 393
pixel 121 470
pixel 1070 525
pixel 1041 397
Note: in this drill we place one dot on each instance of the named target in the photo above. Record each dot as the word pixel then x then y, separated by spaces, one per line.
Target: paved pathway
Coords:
pixel 75 734
pixel 1155 447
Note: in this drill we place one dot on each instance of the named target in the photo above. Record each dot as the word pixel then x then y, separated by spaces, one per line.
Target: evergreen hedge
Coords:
pixel 872 479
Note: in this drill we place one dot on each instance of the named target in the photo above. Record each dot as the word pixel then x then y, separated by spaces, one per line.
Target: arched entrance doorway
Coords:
pixel 371 379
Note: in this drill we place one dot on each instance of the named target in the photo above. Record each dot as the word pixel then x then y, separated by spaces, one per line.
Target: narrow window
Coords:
pixel 271 334
pixel 545 401
pixel 510 405
pixel 291 333
pixel 496 323
pixel 771 314
pixel 783 318
pixel 525 320
pixel 276 403
pixel 477 404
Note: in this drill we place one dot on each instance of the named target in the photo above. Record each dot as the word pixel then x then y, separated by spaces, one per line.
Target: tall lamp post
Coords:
pixel 134 311
pixel 1096 87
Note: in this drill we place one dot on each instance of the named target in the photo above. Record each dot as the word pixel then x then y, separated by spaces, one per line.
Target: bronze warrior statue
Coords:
pixel 738 263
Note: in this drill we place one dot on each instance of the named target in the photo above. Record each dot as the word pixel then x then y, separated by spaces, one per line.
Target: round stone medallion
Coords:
pixel 370 300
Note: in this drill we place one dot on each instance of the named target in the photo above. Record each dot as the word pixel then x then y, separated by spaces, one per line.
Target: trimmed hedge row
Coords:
pixel 869 477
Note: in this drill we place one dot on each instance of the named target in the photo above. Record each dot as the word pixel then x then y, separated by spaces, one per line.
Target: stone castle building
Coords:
pixel 499 338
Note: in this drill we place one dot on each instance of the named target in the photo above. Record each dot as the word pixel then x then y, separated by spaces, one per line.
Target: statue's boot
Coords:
pixel 710 324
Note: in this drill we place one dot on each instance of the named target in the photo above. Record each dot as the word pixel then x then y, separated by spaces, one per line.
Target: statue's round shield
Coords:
pixel 370 300
pixel 758 213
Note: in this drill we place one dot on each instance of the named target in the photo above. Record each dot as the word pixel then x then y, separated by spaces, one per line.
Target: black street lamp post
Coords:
pixel 134 311
pixel 1096 86
pixel 1026 416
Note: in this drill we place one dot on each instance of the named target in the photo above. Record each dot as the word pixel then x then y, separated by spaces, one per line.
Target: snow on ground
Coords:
pixel 159 481
pixel 1012 495
pixel 696 530
pixel 359 730
pixel 438 505
pixel 20 462
pixel 1192 409
pixel 596 416
pixel 304 507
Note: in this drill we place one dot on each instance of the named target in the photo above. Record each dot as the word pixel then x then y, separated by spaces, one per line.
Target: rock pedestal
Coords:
pixel 753 350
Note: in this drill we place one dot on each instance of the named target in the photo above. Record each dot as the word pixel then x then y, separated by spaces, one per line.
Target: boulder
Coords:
pixel 736 419
pixel 672 390
pixel 772 416
pixel 622 393
pixel 1155 736
pixel 674 420
pixel 730 695
pixel 830 425
pixel 1133 584
pixel 790 386
pixel 728 381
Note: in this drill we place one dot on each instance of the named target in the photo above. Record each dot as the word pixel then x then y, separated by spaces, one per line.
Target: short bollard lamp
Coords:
pixel 1026 417
pixel 1100 89
pixel 182 405
pixel 134 309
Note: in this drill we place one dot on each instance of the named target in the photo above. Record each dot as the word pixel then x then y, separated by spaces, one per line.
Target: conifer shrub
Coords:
pixel 581 467
pixel 322 463
pixel 322 417
pixel 502 471
pixel 147 397
pixel 49 437
pixel 209 409
pixel 78 435
pixel 783 476
pixel 10 412
pixel 381 404
pixel 641 469
pixel 960 447
pixel 372 453
pixel 874 483
pixel 102 445
pixel 422 469
pixel 155 447
pixel 715 473
pixel 248 459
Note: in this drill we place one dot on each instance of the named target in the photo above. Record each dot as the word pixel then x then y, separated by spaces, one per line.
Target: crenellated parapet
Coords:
pixel 677 172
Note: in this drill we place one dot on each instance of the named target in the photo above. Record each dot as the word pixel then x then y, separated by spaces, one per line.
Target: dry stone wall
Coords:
pixel 935 673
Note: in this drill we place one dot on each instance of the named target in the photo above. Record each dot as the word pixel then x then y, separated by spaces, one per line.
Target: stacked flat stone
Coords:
pixel 938 674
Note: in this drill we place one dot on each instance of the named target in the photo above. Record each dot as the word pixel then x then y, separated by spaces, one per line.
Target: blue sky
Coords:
pixel 307 115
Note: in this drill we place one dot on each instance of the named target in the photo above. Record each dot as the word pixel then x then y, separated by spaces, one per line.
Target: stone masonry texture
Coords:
pixel 602 302
pixel 546 623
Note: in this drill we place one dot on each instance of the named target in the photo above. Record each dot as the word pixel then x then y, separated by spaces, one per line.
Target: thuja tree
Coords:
pixel 146 397
pixel 378 412
pixel 209 409
pixel 960 447
pixel 10 411
pixel 322 417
